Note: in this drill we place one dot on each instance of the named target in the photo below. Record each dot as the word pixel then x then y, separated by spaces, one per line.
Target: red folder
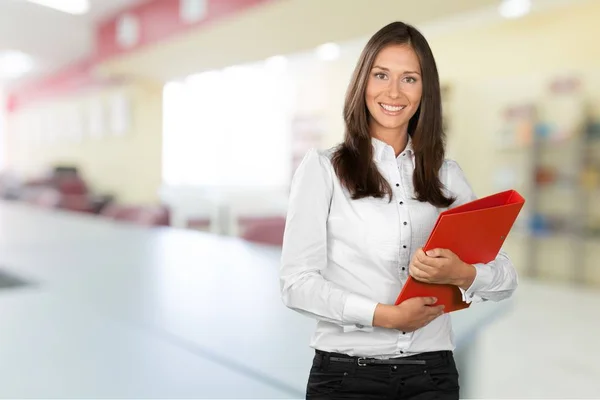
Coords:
pixel 475 232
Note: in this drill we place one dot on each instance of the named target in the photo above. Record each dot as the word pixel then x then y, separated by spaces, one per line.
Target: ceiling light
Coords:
pixel 514 8
pixel 14 64
pixel 76 7
pixel 328 51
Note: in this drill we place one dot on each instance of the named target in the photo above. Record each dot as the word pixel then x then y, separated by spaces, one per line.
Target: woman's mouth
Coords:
pixel 391 109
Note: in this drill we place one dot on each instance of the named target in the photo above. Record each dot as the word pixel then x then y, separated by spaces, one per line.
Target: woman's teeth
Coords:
pixel 391 108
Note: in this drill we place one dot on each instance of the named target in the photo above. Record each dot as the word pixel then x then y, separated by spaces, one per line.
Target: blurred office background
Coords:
pixel 129 126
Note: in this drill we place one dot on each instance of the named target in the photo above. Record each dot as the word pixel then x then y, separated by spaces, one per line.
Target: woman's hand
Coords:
pixel 441 266
pixel 409 315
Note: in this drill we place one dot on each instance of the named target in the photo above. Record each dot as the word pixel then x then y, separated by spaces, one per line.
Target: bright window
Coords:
pixel 229 127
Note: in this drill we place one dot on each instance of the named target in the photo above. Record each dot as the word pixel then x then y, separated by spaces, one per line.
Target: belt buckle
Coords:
pixel 361 362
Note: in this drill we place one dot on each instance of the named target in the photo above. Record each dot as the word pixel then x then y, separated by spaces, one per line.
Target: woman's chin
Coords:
pixel 392 125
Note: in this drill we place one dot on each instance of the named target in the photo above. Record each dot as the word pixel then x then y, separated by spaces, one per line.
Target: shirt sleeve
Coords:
pixel 496 280
pixel 304 251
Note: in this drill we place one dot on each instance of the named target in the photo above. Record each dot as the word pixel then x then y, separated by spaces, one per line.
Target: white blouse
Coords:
pixel 341 257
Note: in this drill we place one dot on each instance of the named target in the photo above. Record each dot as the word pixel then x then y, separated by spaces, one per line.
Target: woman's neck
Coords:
pixel 398 140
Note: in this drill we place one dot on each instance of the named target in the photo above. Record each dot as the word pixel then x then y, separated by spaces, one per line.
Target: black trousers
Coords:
pixel 436 378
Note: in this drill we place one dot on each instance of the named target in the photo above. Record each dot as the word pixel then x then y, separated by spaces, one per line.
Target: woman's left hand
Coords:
pixel 441 266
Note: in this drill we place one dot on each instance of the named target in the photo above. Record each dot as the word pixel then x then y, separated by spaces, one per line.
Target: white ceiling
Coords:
pixel 298 26
pixel 54 39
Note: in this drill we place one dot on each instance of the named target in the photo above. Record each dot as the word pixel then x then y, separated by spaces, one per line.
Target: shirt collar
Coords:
pixel 382 149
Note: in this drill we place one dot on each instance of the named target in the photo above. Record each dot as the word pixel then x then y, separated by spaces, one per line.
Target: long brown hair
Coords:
pixel 353 159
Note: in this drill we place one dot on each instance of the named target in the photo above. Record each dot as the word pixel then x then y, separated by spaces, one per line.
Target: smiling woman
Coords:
pixel 358 217
pixel 393 91
pixel 397 81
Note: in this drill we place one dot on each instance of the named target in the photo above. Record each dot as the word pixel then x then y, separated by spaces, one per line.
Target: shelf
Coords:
pixel 558 156
pixel 559 235
pixel 557 144
pixel 558 186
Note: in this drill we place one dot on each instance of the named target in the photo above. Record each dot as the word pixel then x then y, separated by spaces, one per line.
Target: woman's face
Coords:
pixel 394 90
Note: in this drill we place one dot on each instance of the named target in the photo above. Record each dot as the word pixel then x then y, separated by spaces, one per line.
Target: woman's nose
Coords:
pixel 394 90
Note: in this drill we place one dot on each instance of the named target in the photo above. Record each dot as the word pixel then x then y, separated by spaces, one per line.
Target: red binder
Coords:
pixel 475 232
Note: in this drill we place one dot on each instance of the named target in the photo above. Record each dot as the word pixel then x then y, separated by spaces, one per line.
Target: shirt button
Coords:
pixel 405 223
pixel 403 268
pixel 360 326
pixel 397 184
pixel 401 352
pixel 404 246
pixel 404 333
pixel 401 202
pixel 394 367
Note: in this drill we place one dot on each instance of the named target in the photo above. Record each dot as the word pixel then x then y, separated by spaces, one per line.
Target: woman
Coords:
pixel 357 219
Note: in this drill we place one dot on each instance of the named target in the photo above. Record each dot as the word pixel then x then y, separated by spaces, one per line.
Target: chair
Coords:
pixel 139 215
pixel 264 230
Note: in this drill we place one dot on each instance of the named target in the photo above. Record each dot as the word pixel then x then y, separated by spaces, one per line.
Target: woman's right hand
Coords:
pixel 409 315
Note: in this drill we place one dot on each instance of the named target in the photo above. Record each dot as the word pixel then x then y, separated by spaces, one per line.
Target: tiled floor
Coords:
pixel 547 346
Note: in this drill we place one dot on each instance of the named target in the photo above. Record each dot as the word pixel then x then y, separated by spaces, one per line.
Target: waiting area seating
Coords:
pixel 258 219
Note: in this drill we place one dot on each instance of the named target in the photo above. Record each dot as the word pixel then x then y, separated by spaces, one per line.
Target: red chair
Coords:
pixel 140 215
pixel 153 216
pixel 201 224
pixel 76 202
pixel 121 212
pixel 264 230
pixel 74 194
pixel 45 197
pixel 72 186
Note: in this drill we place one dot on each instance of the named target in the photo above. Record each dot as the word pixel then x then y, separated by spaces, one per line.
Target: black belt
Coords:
pixel 419 359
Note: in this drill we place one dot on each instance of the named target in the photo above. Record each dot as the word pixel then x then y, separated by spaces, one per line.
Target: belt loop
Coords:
pixel 325 362
pixel 446 357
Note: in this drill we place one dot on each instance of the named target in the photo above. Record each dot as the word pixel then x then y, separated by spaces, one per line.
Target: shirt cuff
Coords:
pixel 483 278
pixel 358 312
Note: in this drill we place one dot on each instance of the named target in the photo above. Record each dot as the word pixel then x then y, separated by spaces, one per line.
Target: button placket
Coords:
pixel 403 215
pixel 404 212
